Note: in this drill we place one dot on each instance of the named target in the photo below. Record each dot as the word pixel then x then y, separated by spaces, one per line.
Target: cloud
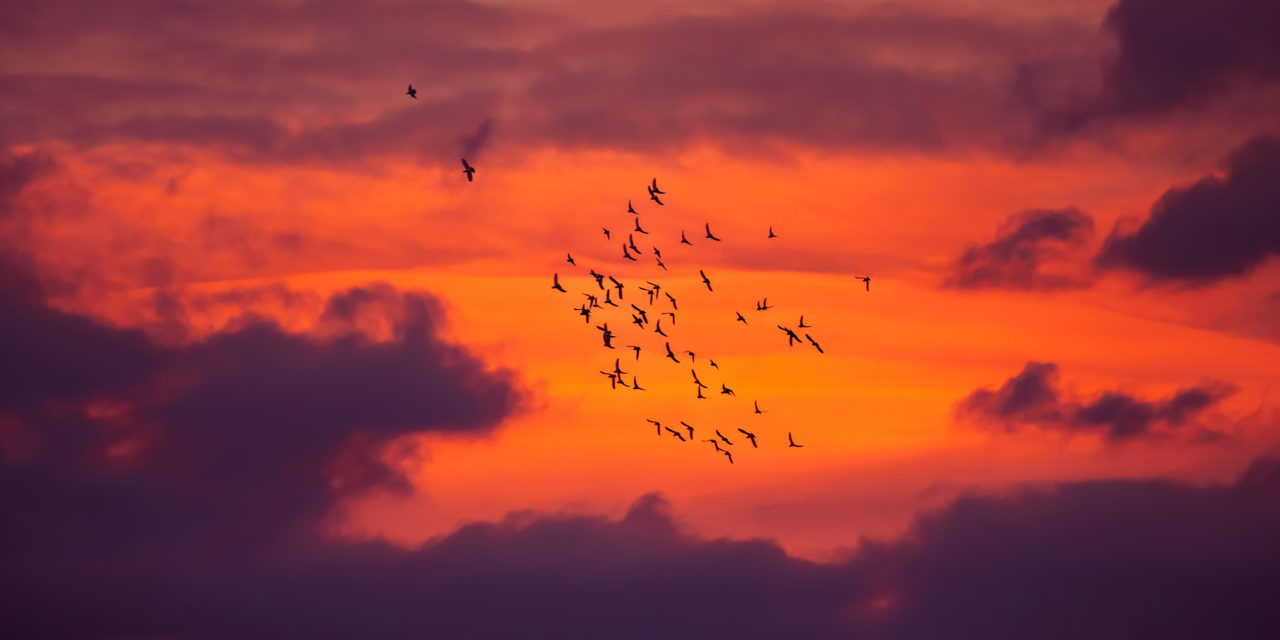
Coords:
pixel 1032 398
pixel 1217 228
pixel 1024 243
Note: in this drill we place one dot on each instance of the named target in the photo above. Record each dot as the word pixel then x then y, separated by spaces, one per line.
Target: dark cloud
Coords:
pixel 1218 227
pixel 1024 244
pixel 473 142
pixel 1032 398
pixel 16 171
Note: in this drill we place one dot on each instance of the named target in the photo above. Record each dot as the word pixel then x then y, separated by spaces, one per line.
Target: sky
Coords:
pixel 273 367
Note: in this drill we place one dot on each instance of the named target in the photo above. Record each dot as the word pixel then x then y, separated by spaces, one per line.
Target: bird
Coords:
pixel 730 455
pixel 627 255
pixel 713 363
pixel 792 338
pixel 630 209
pixel 656 424
pixel 631 242
pixel 740 318
pixel 585 312
pixel 692 356
pixel 638 229
pixel 705 279
pixel 660 264
pixel 643 315
pixel 756 404
pixel 814 343
pixel 635 386
pixel 802 324
pixel 709 234
pixel 606 233
pixel 866 279
pixel 617 367
pixel 763 305
pixel 657 328
pixel 607 300
pixel 793 442
pixel 673 316
pixel 750 436
pixel 654 197
pixel 613 379
pixel 726 440
pixel 636 349
pixel 673 301
pixel 616 285
pixel 653 188
pixel 684 240
pixel 657 253
pixel 675 433
pixel 635 319
pixel 714 442
pixel 771 233
pixel 700 396
pixel 696 380
pixel 412 93
pixel 726 390
pixel 607 335
pixel 671 354
pixel 467 169
pixel 570 259
pixel 689 427
pixel 555 277
pixel 599 279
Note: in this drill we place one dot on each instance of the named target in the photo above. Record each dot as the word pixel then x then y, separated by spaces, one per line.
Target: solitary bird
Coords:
pixel 865 279
pixel 763 305
pixel 814 343
pixel 555 277
pixel 696 380
pixel 570 259
pixel 638 229
pixel 671 354
pixel 771 233
pixel 636 349
pixel 726 390
pixel 673 301
pixel 657 328
pixel 705 279
pixel 730 455
pixel 700 396
pixel 655 424
pixel 756 404
pixel 726 440
pixel 710 236
pixel 802 324
pixel 467 169
pixel 675 433
pixel 629 207
pixel 740 318
pixel 750 436
pixel 713 364
pixel 412 93
pixel 635 386
pixel 606 233
pixel 684 240
pixel 793 442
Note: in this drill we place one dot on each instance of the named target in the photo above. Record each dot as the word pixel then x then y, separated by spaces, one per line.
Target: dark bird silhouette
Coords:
pixel 802 324
pixel 635 319
pixel 865 279
pixel 656 287
pixel 714 442
pixel 616 285
pixel 673 316
pixel 570 259
pixel 705 279
pixel 673 301
pixel 555 277
pixel 412 93
pixel 617 367
pixel 713 363
pixel 671 354
pixel 657 328
pixel 467 169
pixel 585 312
pixel 709 234
pixel 643 315
pixel 649 292
pixel 630 209
pixel 700 396
pixel 591 301
pixel 635 386
pixel 690 428
pixel 606 233
pixel 763 305
pixel 684 240
pixel 726 390
pixel 656 252
pixel 631 242
pixel 814 343
pixel 756 404
pixel 675 433
pixel 792 442
pixel 740 318
pixel 608 300
pixel 653 187
pixel 771 233
pixel 654 197
pixel 638 229
pixel 621 381
pixel 607 335
pixel 696 380
pixel 729 455
pixel 627 255
pixel 660 264
pixel 792 338
pixel 657 425
pixel 613 379
pixel 692 356
pixel 726 440
pixel 636 349
pixel 750 436
pixel 599 279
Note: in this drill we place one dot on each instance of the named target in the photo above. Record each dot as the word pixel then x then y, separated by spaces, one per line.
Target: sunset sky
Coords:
pixel 274 368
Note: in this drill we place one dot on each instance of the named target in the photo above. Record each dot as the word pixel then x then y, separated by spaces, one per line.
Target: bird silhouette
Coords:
pixel 684 240
pixel 690 428
pixel 627 255
pixel 569 259
pixel 661 264
pixel 865 279
pixel 638 229
pixel 643 315
pixel 675 433
pixel 555 277
pixel 635 386
pixel 673 301
pixel 673 316
pixel 763 305
pixel 609 300
pixel 700 396
pixel 713 364
pixel 656 424
pixel 756 404
pixel 729 455
pixel 771 233
pixel 631 241
pixel 653 188
pixel 705 279
pixel 654 197
pixel 613 379
pixel 740 318
pixel 607 335
pixel 692 356
pixel 792 442
pixel 599 279
pixel 714 442
pixel 696 380
pixel 657 328
pixel 750 436
pixel 636 349
pixel 630 209
pixel 671 354
pixel 792 338
pixel 585 312
pixel 726 440
pixel 814 343
pixel 606 233
pixel 412 93
pixel 709 234
pixel 726 390
pixel 617 367
pixel 467 169
pixel 616 285
pixel 802 324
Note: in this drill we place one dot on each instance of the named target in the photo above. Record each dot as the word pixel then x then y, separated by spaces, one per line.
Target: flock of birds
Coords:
pixel 640 317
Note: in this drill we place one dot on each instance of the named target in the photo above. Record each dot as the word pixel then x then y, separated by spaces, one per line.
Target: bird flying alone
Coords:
pixel 771 233
pixel 467 169
pixel 792 442
pixel 412 93
pixel 710 236
pixel 630 209
pixel 864 279
pixel 555 283
pixel 684 240
pixel 750 436
pixel 705 279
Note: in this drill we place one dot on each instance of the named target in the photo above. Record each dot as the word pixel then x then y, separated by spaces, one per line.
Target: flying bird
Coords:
pixel 696 380
pixel 654 197
pixel 656 424
pixel 865 279
pixel 635 386
pixel 657 328
pixel 606 233
pixel 763 305
pixel 726 390
pixel 675 433
pixel 638 229
pixel 713 363
pixel 802 324
pixel 555 277
pixel 692 357
pixel 700 396
pixel 671 354
pixel 793 442
pixel 631 242
pixel 630 209
pixel 653 188
pixel 673 301
pixel 627 255
pixel 412 93
pixel 792 338
pixel 705 279
pixel 608 300
pixel 660 264
pixel 636 349
pixel 730 455
pixel 467 169
pixel 673 316
pixel 684 240
pixel 570 259
pixel 726 440
pixel 709 235
pixel 714 442
pixel 756 404
pixel 690 428
pixel 750 436
pixel 771 233
pixel 740 318
pixel 814 343
pixel 643 315
pixel 617 367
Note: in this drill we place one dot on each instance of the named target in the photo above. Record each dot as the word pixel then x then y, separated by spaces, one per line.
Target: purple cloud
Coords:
pixel 1023 244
